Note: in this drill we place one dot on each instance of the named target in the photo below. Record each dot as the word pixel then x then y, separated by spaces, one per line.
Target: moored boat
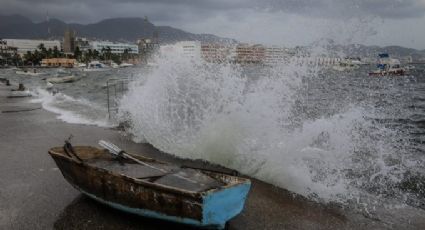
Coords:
pixel 65 79
pixel 125 65
pixel 348 64
pixel 388 67
pixel 150 188
pixel 95 66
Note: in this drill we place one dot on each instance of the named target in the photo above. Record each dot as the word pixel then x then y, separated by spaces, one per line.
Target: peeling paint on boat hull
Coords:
pixel 208 209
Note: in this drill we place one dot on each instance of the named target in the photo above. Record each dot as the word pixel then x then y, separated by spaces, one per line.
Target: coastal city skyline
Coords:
pixel 288 23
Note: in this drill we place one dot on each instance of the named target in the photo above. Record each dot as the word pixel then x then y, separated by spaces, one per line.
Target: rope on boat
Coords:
pixel 69 150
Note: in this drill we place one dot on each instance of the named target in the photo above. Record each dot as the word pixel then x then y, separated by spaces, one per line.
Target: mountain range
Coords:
pixel 359 50
pixel 114 29
pixel 132 29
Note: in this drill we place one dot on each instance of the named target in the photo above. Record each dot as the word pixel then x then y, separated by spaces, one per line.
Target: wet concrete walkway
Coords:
pixel 34 195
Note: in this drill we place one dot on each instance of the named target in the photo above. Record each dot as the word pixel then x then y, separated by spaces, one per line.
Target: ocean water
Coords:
pixel 334 137
pixel 80 102
pixel 341 137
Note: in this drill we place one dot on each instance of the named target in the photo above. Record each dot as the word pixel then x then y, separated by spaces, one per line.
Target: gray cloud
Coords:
pixel 240 19
pixel 91 10
pixel 351 8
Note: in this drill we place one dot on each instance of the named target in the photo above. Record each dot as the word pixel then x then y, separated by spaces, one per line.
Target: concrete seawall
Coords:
pixel 34 195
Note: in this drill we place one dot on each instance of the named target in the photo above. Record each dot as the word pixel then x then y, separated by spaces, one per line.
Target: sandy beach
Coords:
pixel 34 195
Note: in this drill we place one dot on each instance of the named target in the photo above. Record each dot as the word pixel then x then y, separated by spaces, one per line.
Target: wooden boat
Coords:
pixel 388 67
pixel 195 197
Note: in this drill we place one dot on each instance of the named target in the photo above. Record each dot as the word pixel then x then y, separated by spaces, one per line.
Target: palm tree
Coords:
pixel 86 56
pixel 89 54
pixel 107 53
pixel 125 54
pixel 95 54
pixel 103 52
pixel 28 56
pixel 36 57
pixel 43 50
pixel 56 52
pixel 77 53
pixel 49 53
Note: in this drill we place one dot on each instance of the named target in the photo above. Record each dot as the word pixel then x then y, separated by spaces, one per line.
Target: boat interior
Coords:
pixel 160 173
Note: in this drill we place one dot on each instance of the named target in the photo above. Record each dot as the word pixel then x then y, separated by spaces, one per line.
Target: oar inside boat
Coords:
pixel 116 151
pixel 180 176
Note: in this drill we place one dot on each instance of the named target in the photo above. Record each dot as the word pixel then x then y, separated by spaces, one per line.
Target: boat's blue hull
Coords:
pixel 219 207
pixel 208 208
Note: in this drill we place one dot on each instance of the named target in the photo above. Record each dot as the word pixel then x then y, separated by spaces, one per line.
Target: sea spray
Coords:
pixel 257 119
pixel 73 110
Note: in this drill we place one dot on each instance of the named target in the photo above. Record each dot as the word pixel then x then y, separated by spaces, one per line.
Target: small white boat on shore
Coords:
pixel 66 79
pixel 115 65
pixel 95 66
pixel 81 65
pixel 124 65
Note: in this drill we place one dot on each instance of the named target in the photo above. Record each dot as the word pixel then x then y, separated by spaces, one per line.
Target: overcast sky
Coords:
pixel 279 22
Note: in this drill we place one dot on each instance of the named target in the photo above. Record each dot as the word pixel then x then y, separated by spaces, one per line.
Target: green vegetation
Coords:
pixel 104 55
pixel 34 58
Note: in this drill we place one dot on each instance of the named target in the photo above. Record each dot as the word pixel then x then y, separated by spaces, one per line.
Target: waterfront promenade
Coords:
pixel 34 195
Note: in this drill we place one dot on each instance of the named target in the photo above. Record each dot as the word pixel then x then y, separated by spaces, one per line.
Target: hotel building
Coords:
pixel 248 54
pixel 25 45
pixel 217 53
pixel 116 48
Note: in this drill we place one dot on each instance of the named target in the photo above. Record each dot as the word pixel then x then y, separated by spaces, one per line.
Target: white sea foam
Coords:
pixel 72 110
pixel 247 121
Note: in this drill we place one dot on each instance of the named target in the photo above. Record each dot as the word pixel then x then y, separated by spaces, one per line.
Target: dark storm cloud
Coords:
pixel 351 8
pixel 171 10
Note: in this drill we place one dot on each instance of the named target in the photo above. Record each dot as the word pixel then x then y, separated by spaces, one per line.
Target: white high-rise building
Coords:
pixel 116 48
pixel 25 45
